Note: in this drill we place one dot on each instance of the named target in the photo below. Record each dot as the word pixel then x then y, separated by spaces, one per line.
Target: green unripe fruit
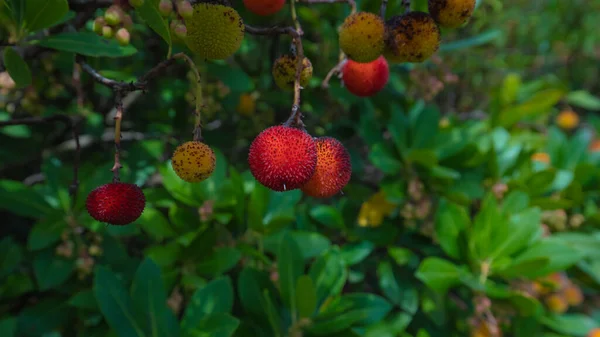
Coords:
pixel 114 15
pixel 165 7
pixel 123 36
pixel 284 72
pixel 215 31
pixel 107 32
pixel 136 3
pixel 185 9
pixel 412 37
pixel 127 21
pixel 362 37
pixel 451 13
pixel 99 22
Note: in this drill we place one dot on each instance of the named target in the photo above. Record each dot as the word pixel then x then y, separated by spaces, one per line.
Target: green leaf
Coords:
pixel 214 298
pixel 425 126
pixel 539 104
pixel 220 261
pixel 451 219
pixel 86 43
pixel 216 325
pixel 40 14
pixel 329 274
pixel 150 14
pixel 150 299
pixel 51 270
pixel 17 8
pixel 349 310
pixel 570 324
pixel 17 68
pixel 438 274
pixel 8 327
pixel 251 284
pixel 234 78
pixel 354 253
pixel 584 99
pixel 306 296
pixel 560 256
pixel 84 300
pixel 11 255
pixel 328 216
pixel 384 159
pixel 46 232
pixel 312 243
pixel 115 304
pixel 388 283
pixel 290 266
pixel 477 40
pixel 153 222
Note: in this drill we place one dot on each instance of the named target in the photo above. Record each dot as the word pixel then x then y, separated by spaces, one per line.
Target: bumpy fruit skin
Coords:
pixel 283 158
pixel 365 79
pixel 556 303
pixel 214 31
pixel 284 72
pixel 361 37
pixel 451 13
pixel 116 203
pixel 193 161
pixel 567 120
pixel 412 37
pixel 264 7
pixel 573 294
pixel 333 169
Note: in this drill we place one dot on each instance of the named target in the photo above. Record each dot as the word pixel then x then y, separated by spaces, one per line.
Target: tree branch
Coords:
pixel 273 31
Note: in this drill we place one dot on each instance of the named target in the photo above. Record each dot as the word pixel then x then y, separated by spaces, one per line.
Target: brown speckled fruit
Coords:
pixel 362 37
pixel 282 158
pixel 284 72
pixel 116 203
pixel 451 13
pixel 214 31
pixel 193 161
pixel 412 37
pixel 333 169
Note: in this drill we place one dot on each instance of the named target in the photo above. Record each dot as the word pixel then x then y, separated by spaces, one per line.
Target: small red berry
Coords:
pixel 333 169
pixel 365 79
pixel 282 158
pixel 264 7
pixel 116 203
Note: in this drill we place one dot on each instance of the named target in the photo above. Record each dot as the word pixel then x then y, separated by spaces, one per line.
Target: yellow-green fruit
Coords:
pixel 451 13
pixel 193 161
pixel 412 37
pixel 214 31
pixel 362 37
pixel 284 72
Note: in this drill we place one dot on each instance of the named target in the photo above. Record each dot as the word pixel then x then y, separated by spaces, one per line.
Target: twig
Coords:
pixel 77 84
pixel 118 118
pixel 70 123
pixel 197 133
pixel 295 115
pixel 383 8
pixel 273 31
pixel 336 69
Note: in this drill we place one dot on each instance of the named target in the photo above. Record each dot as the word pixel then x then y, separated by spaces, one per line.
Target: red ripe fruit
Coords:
pixel 282 158
pixel 116 203
pixel 365 79
pixel 333 169
pixel 264 7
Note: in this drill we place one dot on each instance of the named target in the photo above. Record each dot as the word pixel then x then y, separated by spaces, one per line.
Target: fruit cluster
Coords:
pixel 176 11
pixel 115 23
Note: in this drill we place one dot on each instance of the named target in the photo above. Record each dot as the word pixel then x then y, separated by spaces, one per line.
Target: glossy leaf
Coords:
pixel 40 14
pixel 216 297
pixel 17 68
pixel 290 266
pixel 86 43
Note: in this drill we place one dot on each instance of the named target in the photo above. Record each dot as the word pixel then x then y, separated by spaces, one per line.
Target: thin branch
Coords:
pixel 197 133
pixel 118 118
pixel 383 8
pixel 295 115
pixel 273 31
pixel 70 123
pixel 335 70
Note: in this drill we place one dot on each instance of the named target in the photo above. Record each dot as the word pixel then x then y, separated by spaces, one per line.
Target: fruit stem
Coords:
pixel 383 8
pixel 118 117
pixel 295 118
pixel 197 133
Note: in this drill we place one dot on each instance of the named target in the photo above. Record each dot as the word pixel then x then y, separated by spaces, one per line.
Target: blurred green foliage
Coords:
pixel 470 211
